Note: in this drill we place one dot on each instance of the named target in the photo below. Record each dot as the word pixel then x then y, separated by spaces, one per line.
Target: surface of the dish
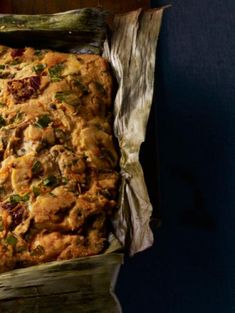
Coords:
pixel 58 178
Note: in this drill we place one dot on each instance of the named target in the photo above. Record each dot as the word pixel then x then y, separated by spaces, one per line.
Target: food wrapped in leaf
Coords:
pixel 60 169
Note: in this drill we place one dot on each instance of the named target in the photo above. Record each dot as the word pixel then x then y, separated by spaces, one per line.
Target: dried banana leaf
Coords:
pixel 80 285
pixel 132 53
pixel 81 30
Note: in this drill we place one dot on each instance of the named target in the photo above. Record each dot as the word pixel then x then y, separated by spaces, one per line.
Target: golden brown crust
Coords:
pixel 58 183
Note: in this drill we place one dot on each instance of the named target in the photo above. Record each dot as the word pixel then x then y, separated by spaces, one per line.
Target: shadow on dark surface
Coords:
pixel 197 216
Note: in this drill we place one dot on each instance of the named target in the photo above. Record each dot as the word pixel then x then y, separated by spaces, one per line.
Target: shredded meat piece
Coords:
pixel 17 52
pixel 24 89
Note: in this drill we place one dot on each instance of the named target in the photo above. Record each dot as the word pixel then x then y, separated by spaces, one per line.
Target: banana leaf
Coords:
pixel 79 285
pixel 132 54
pixel 87 284
pixel 81 31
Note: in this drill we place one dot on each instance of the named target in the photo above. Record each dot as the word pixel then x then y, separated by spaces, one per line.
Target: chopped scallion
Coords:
pixel 43 121
pixel 37 168
pixel 11 240
pixel 56 71
pixel 50 181
pixel 36 191
pixel 39 68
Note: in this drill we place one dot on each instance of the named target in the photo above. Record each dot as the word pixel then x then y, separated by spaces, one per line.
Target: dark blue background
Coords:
pixel 191 267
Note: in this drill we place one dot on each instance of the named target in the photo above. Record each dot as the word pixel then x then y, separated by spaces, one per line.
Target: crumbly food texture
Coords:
pixel 58 170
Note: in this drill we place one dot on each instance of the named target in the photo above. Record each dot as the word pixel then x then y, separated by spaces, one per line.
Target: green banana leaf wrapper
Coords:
pixel 87 284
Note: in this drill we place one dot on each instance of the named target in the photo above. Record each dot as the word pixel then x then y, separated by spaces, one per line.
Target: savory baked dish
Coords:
pixel 58 170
